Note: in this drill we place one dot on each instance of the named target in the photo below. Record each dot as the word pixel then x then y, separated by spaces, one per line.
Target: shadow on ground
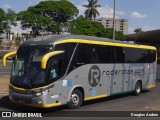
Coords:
pixel 9 106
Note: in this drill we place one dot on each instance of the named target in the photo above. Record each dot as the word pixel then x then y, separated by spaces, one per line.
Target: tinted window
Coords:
pixel 105 54
pixel 151 56
pixel 68 48
pixel 89 54
pixel 119 55
pixel 133 55
pixel 86 54
pixel 57 66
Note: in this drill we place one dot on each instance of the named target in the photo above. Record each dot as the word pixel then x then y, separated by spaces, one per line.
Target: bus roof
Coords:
pixel 52 39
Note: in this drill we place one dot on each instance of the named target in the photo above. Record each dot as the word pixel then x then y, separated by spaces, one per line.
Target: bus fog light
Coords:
pixel 39 102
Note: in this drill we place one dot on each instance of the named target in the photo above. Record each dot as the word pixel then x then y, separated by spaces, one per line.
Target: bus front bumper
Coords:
pixel 30 100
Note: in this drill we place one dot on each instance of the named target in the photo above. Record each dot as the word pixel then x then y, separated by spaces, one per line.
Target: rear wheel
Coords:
pixel 76 99
pixel 138 88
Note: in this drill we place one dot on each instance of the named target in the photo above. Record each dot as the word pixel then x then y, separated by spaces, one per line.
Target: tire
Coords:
pixel 76 99
pixel 138 88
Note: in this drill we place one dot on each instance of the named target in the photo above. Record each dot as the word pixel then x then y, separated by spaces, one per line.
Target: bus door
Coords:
pixel 118 71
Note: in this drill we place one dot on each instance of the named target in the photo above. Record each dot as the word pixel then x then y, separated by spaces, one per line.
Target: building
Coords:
pixel 120 24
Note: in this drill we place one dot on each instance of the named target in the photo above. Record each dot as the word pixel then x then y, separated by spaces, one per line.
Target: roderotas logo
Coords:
pixel 94 75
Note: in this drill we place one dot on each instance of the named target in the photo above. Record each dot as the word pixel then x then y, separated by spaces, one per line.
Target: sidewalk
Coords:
pixel 4 83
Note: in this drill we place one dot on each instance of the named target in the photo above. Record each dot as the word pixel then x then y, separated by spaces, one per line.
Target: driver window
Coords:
pixel 56 67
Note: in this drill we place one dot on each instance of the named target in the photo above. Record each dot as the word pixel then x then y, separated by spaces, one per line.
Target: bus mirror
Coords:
pixel 47 56
pixel 4 60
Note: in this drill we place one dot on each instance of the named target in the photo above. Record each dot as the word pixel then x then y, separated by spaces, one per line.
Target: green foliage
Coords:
pixel 48 16
pixel 6 20
pixel 108 33
pixel 91 11
pixel 138 30
pixel 120 36
pixel 83 26
pixel 37 22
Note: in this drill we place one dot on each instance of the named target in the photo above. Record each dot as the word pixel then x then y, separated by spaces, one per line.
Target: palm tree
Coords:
pixel 138 30
pixel 91 11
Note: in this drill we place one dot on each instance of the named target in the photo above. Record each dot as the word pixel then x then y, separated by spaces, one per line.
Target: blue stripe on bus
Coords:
pixel 148 75
pixel 123 77
pixel 130 81
pixel 112 81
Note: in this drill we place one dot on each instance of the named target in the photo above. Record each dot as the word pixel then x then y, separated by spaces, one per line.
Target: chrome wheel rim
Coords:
pixel 75 99
pixel 138 89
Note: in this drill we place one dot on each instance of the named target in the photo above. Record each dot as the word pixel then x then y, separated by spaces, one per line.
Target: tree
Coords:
pixel 138 30
pixel 83 26
pixel 91 11
pixel 38 23
pixel 108 33
pixel 6 20
pixel 48 16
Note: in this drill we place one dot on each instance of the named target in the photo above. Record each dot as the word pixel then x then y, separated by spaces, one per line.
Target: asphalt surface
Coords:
pixel 147 101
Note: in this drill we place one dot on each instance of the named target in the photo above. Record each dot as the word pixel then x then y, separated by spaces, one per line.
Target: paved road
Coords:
pixel 147 101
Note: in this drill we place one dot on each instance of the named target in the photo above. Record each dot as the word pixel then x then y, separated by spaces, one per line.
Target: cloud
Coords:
pixel 107 12
pixel 104 11
pixel 138 15
pixel 30 3
pixel 7 6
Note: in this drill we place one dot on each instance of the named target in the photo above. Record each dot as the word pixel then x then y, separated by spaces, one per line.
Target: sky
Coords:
pixel 143 14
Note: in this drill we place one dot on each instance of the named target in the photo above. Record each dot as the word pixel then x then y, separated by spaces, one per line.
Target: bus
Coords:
pixel 67 70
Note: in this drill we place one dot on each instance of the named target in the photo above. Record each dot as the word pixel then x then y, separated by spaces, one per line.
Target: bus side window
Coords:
pixel 86 54
pixel 105 54
pixel 151 56
pixel 119 55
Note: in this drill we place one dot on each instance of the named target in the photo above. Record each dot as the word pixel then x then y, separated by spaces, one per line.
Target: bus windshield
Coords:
pixel 26 68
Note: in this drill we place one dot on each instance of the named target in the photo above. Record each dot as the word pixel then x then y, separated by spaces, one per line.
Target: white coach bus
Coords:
pixel 69 69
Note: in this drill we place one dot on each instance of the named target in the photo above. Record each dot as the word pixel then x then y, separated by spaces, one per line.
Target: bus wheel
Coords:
pixel 138 88
pixel 76 99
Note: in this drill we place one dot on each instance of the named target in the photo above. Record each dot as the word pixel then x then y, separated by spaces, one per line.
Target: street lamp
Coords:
pixel 114 14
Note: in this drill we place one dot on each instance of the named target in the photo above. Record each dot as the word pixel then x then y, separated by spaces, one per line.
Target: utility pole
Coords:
pixel 114 14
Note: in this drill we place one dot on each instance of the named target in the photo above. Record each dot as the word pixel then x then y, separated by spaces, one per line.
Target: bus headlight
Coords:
pixel 38 94
pixel 41 93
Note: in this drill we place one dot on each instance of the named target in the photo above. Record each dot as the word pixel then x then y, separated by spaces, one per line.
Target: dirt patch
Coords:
pixel 4 82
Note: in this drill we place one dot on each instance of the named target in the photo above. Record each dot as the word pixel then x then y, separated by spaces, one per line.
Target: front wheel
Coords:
pixel 76 99
pixel 138 88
